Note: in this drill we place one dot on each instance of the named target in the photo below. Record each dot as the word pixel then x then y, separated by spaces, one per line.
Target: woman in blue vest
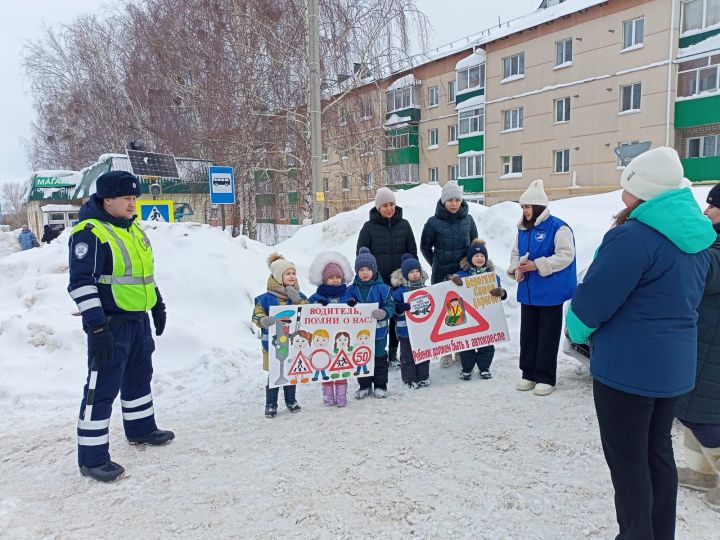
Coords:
pixel 543 263
pixel 638 301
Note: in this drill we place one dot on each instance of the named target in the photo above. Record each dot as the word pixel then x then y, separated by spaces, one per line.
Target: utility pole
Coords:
pixel 314 109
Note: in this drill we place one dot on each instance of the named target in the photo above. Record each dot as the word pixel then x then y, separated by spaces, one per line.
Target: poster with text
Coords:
pixel 313 343
pixel 446 318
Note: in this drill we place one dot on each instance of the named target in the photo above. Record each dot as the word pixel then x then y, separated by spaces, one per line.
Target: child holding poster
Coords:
pixel 477 262
pixel 368 288
pixel 330 272
pixel 408 277
pixel 282 290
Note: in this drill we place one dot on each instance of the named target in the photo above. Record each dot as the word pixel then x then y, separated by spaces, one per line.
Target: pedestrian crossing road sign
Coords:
pixel 158 211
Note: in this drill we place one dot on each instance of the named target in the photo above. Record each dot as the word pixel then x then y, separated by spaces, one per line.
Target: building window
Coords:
pixel 514 66
pixel 432 138
pixel 470 78
pixel 325 156
pixel 472 121
pixel 344 152
pixel 433 175
pixel 345 182
pixel 513 119
pixel 452 172
pixel 432 96
pixel 367 148
pixel 562 110
pixel 326 185
pixel 563 52
pixel 451 91
pixel 366 110
pixel 699 14
pixel 472 166
pixel 402 98
pixel 399 140
pixel 704 146
pixel 343 116
pixel 402 174
pixel 368 181
pixel 452 133
pixel 512 165
pixel 630 97
pixel 633 33
pixel 700 75
pixel 561 161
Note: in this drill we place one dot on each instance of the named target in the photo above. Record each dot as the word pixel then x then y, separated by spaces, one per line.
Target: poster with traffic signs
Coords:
pixel 313 343
pixel 157 211
pixel 222 185
pixel 446 318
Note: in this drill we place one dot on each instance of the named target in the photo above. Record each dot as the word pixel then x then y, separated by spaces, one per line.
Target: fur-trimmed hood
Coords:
pixel 398 280
pixel 466 266
pixel 322 260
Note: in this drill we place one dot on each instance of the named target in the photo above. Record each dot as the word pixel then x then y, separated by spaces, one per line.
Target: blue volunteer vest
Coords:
pixel 550 290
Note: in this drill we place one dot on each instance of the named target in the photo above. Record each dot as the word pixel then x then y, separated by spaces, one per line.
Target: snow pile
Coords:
pixel 475 59
pixel 9 243
pixel 404 82
pixel 534 465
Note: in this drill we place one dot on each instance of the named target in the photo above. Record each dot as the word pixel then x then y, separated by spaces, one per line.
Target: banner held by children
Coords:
pixel 446 318
pixel 313 343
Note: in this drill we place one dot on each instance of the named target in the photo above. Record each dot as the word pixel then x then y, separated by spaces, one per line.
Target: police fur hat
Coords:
pixel 713 198
pixel 278 266
pixel 117 184
pixel 330 262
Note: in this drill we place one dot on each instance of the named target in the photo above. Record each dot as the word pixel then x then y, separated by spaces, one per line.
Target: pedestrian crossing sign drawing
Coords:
pixel 158 211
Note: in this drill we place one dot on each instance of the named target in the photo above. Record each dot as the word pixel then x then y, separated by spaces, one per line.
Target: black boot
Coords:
pixel 293 407
pixel 155 438
pixel 104 473
pixel 270 411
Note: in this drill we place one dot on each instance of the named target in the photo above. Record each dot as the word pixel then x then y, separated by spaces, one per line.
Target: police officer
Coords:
pixel 111 280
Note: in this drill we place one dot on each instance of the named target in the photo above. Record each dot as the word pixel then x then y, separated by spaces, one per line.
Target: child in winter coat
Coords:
pixel 408 277
pixel 330 272
pixel 282 290
pixel 477 262
pixel 367 288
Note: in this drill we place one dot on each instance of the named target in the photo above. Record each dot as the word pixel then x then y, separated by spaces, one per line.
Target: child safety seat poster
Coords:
pixel 446 318
pixel 312 343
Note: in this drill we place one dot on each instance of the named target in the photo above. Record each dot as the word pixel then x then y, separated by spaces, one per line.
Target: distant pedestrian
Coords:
pixel 27 238
pixel 49 234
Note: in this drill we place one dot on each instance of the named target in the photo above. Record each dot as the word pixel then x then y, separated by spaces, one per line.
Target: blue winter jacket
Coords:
pixel 26 239
pixel 537 290
pixel 400 287
pixel 263 303
pixel 640 295
pixel 342 298
pixel 375 291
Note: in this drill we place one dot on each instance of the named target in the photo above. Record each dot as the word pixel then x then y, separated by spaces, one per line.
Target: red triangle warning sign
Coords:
pixel 300 366
pixel 454 316
pixel 342 362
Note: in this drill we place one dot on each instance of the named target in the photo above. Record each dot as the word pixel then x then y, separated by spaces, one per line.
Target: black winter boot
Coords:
pixel 154 438
pixel 104 473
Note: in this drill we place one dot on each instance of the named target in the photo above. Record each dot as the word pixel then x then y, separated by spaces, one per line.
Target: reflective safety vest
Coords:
pixel 132 282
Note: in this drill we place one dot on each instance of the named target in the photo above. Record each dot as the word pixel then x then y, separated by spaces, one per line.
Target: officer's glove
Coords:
pixel 352 302
pixel 498 291
pixel 100 346
pixel 457 280
pixel 267 322
pixel 159 316
pixel 293 294
pixel 379 314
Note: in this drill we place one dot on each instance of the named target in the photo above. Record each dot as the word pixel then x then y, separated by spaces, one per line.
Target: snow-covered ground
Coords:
pixel 457 460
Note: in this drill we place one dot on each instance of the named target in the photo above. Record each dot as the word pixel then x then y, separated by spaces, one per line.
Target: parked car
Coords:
pixel 578 351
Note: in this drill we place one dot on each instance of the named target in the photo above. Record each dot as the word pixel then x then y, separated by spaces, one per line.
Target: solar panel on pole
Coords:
pixel 152 164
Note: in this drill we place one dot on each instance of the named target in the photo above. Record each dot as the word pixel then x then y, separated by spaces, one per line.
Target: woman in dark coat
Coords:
pixel 699 410
pixel 638 301
pixel 388 236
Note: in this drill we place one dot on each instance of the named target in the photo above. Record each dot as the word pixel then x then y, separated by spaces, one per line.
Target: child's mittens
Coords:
pixel 379 314
pixel 323 302
pixel 352 302
pixel 457 280
pixel 293 294
pixel 498 291
pixel 267 322
pixel 402 308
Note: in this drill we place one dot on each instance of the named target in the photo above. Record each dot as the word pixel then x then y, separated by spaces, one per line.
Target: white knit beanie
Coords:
pixel 450 191
pixel 653 173
pixel 535 194
pixel 278 266
pixel 383 196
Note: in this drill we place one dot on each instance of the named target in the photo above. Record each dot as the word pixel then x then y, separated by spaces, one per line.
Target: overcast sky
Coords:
pixel 23 20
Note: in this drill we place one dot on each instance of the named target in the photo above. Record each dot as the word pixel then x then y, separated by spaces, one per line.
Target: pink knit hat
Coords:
pixel 332 270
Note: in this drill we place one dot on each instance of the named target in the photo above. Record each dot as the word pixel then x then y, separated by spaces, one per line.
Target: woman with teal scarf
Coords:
pixel 637 306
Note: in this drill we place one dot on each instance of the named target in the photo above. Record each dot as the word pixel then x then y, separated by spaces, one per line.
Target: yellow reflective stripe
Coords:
pixel 123 249
pixel 126 280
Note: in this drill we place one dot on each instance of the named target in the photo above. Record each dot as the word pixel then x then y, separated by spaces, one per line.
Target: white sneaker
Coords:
pixel 524 385
pixel 381 393
pixel 362 393
pixel 542 389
